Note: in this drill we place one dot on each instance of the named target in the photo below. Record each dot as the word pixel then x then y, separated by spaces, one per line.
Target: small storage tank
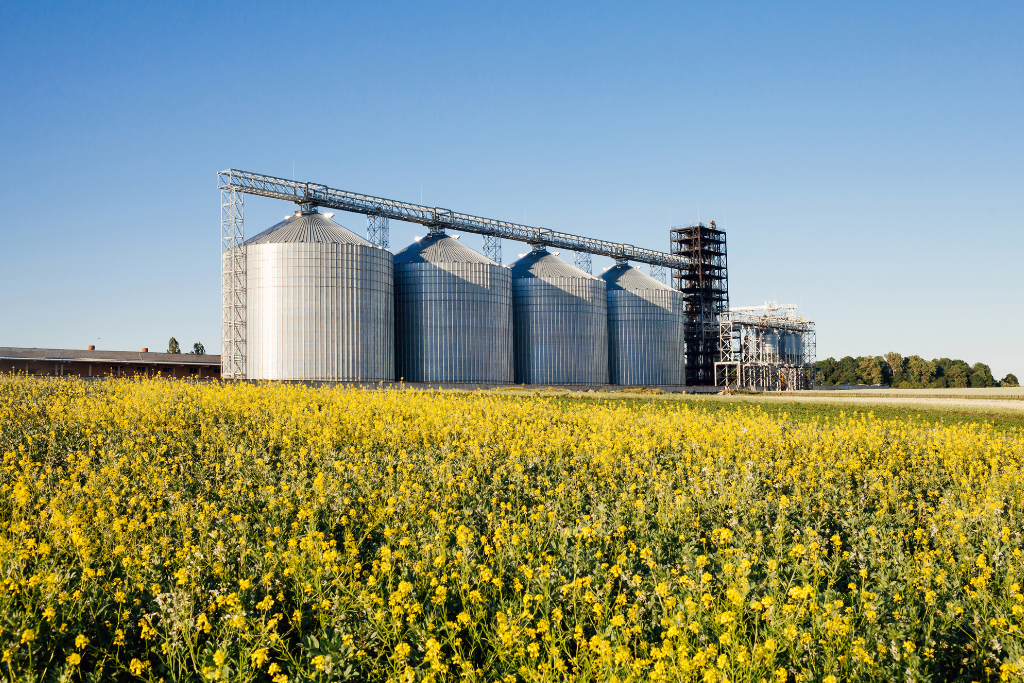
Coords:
pixel 771 346
pixel 320 303
pixel 560 322
pixel 645 329
pixel 792 345
pixel 453 314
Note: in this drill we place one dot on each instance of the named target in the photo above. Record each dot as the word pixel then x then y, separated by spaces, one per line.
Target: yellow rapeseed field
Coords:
pixel 164 530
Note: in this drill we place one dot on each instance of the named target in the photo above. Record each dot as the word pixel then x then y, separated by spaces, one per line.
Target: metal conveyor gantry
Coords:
pixel 233 184
pixel 314 194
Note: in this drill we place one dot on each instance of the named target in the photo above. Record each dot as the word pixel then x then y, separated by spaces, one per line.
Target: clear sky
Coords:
pixel 865 158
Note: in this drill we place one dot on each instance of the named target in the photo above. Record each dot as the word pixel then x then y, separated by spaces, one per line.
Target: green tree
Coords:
pixel 920 372
pixel 958 374
pixel 848 368
pixel 871 370
pixel 828 370
pixel 981 376
pixel 198 349
pixel 172 346
pixel 1009 381
pixel 895 362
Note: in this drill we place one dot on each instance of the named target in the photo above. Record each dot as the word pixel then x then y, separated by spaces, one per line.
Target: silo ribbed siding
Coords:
pixel 453 314
pixel 645 329
pixel 320 304
pixel 560 323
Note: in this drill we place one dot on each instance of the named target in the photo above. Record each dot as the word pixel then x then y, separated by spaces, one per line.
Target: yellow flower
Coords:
pixel 81 641
pixel 74 659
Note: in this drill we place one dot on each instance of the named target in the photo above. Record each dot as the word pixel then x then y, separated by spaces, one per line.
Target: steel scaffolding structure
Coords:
pixel 584 262
pixel 377 230
pixel 703 279
pixel 233 285
pixel 492 248
pixel 765 348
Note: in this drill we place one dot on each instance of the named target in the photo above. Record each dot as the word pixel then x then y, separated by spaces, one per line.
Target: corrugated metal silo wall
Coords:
pixel 561 331
pixel 645 337
pixel 319 311
pixel 453 322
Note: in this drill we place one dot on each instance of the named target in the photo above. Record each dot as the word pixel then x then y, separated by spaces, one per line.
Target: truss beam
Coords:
pixel 435 217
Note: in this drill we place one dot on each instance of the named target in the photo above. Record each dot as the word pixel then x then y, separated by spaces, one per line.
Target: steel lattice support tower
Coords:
pixel 584 262
pixel 492 248
pixel 704 282
pixel 659 273
pixel 377 230
pixel 233 282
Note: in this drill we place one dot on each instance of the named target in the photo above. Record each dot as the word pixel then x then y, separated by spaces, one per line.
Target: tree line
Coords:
pixel 912 372
pixel 174 347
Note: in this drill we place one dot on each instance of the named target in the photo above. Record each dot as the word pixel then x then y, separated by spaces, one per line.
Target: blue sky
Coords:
pixel 865 158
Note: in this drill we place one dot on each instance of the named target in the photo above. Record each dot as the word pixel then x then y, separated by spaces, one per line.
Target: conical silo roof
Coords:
pixel 625 276
pixel 439 247
pixel 307 227
pixel 541 263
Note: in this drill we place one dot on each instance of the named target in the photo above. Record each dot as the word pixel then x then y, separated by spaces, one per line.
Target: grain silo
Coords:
pixel 645 329
pixel 320 303
pixel 453 314
pixel 560 322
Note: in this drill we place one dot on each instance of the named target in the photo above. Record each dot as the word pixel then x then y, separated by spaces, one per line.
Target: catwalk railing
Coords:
pixel 434 217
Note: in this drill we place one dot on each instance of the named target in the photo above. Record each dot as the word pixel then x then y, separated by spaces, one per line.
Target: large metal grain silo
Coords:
pixel 560 323
pixel 645 329
pixel 320 303
pixel 453 314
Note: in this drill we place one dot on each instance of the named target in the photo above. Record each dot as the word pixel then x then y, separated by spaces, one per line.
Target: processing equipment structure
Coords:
pixel 704 281
pixel 765 348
